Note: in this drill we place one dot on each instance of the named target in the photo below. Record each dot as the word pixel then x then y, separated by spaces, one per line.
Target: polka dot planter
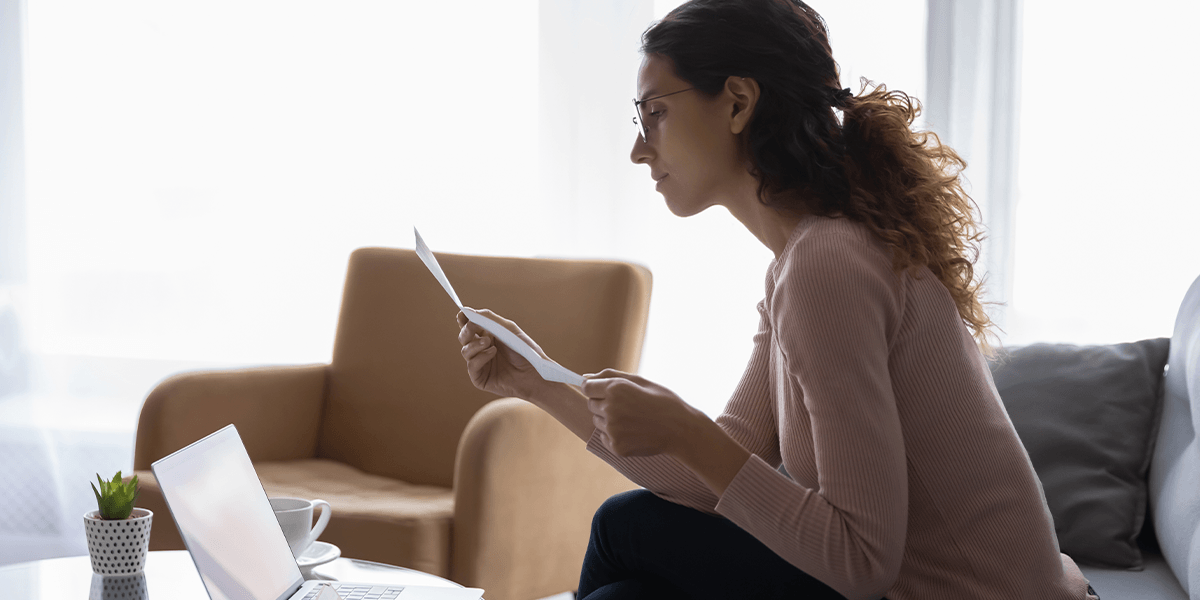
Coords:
pixel 118 547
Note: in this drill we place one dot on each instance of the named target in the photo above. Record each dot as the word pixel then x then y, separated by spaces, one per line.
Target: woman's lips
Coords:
pixel 658 181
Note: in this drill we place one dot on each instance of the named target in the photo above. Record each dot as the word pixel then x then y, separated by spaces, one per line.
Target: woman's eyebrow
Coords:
pixel 649 94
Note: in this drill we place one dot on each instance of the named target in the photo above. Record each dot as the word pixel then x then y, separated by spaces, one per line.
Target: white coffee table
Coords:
pixel 172 574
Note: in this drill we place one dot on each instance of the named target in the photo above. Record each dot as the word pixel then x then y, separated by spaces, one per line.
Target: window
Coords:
pixel 198 173
pixel 1106 229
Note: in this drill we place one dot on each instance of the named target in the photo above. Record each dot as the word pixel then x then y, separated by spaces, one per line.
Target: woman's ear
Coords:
pixel 744 92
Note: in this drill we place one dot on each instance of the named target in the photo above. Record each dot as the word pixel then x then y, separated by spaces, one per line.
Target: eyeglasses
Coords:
pixel 640 122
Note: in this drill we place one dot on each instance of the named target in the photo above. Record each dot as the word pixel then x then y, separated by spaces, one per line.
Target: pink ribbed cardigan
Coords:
pixel 909 479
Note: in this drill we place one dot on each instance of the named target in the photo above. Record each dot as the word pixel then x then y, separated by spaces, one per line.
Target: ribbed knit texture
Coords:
pixel 908 479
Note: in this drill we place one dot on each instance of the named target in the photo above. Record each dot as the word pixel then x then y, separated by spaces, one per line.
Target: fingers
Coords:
pixel 478 370
pixel 509 325
pixel 493 316
pixel 602 384
pixel 478 355
pixel 477 345
pixel 613 373
pixel 594 388
pixel 596 405
pixel 469 331
pixel 479 358
pixel 599 421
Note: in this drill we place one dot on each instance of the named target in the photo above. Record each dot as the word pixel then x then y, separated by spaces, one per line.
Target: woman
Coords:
pixel 904 477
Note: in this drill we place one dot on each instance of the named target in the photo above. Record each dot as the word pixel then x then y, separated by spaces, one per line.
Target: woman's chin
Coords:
pixel 682 208
pixel 681 204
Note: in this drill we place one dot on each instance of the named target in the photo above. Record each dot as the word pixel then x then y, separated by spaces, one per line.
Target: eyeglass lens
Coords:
pixel 639 122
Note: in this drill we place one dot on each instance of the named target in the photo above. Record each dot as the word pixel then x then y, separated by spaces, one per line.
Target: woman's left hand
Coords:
pixel 635 416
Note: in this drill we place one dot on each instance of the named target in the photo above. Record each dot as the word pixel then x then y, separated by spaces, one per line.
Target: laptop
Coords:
pixel 228 526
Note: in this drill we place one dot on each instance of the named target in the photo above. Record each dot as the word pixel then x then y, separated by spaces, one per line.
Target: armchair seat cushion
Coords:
pixel 374 518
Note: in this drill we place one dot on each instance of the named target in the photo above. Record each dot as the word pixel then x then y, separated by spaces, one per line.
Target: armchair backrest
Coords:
pixel 399 396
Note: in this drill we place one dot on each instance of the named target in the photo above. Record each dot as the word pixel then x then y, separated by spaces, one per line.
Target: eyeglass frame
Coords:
pixel 640 121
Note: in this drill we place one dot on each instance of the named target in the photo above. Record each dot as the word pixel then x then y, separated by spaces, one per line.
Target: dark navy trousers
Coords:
pixel 645 547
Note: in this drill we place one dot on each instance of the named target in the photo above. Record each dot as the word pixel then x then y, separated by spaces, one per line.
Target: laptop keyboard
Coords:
pixel 359 592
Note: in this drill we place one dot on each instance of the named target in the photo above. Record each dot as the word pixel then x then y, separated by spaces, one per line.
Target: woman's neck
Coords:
pixel 772 227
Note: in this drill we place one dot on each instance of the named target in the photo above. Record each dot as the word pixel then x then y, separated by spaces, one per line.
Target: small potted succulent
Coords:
pixel 118 534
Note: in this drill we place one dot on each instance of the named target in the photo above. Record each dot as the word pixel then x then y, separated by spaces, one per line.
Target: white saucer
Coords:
pixel 318 553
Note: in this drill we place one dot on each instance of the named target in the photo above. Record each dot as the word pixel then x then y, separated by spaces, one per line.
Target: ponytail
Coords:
pixel 906 187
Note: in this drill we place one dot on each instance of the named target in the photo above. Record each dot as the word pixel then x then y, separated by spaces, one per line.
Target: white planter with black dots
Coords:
pixel 118 546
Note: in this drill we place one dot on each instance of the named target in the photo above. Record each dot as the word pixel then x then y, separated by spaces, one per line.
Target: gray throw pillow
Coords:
pixel 1088 417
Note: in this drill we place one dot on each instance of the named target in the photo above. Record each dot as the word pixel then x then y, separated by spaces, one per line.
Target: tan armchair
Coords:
pixel 421 469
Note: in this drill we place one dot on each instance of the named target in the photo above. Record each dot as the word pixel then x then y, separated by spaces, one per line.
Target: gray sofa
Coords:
pixel 1114 442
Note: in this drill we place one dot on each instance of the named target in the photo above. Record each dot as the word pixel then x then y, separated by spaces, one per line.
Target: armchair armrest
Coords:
pixel 277 411
pixel 525 491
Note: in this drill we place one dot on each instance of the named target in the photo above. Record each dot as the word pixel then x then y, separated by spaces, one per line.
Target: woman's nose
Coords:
pixel 641 152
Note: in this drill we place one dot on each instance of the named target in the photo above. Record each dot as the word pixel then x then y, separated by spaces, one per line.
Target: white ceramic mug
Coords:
pixel 295 517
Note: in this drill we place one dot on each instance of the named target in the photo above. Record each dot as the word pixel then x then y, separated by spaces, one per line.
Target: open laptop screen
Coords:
pixel 226 520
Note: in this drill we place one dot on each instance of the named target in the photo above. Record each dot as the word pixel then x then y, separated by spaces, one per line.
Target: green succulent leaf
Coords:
pixel 115 498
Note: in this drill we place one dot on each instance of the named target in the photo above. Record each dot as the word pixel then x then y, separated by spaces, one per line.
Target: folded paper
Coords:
pixel 548 369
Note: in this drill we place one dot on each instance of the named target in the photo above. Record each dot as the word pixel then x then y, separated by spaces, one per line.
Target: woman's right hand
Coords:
pixel 494 367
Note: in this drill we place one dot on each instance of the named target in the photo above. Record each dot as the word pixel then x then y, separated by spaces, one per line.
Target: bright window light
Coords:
pixel 200 172
pixel 1106 222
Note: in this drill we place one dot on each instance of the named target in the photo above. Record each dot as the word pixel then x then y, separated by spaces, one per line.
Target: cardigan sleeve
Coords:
pixel 748 418
pixel 835 306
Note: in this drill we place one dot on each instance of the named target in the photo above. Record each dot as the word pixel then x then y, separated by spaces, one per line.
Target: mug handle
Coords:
pixel 322 521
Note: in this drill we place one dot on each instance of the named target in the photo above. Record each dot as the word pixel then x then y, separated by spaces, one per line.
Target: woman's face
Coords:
pixel 693 144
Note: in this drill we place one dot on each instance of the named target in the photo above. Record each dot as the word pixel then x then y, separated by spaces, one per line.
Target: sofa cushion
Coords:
pixel 1154 582
pixel 1087 417
pixel 1175 470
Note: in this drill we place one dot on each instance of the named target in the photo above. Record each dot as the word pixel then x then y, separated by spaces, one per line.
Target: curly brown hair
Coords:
pixel 905 186
pixel 870 166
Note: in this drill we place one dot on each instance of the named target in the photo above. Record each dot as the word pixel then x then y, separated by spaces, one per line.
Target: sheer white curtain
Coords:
pixel 13 264
pixel 1107 224
pixel 974 59
pixel 1062 110
pixel 199 173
